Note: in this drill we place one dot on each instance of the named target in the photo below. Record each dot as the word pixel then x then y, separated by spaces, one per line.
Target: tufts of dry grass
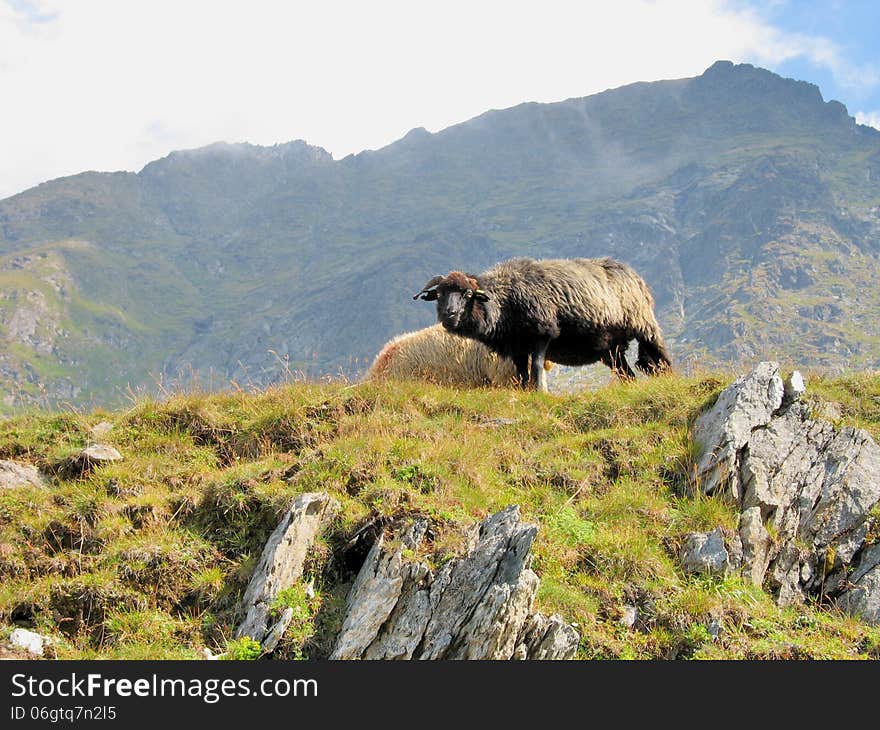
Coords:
pixel 148 557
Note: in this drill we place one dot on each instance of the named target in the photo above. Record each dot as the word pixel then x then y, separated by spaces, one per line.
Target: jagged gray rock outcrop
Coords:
pixel 281 565
pixel 805 490
pixel 546 637
pixel 477 606
pixel 13 474
pixel 726 428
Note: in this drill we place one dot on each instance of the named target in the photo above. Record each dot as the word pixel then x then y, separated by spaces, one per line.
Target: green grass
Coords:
pixel 148 557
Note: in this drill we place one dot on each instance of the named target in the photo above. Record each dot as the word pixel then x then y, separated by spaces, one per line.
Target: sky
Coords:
pixel 113 84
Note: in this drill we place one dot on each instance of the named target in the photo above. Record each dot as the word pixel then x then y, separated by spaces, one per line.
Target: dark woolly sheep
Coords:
pixel 570 311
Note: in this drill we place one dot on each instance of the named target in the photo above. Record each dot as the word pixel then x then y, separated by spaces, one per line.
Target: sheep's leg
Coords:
pixel 542 381
pixel 539 375
pixel 521 363
pixel 653 358
pixel 624 369
pixel 615 358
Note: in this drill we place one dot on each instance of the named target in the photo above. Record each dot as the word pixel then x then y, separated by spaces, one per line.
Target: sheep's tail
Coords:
pixel 653 357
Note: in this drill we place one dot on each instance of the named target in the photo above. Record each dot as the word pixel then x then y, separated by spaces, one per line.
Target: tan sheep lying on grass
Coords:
pixel 434 355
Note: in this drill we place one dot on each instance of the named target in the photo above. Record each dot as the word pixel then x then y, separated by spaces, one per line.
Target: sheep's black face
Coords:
pixel 456 295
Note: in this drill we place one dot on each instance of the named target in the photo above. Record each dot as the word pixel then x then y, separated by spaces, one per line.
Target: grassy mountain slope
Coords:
pixel 147 557
pixel 750 205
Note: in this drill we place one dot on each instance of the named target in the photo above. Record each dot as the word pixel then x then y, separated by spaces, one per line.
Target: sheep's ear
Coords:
pixel 481 296
pixel 428 293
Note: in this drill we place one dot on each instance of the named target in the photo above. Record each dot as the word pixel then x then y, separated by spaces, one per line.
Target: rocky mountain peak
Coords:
pixel 225 155
pixel 745 84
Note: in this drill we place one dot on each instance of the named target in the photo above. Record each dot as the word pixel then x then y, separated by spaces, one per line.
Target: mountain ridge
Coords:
pixel 748 203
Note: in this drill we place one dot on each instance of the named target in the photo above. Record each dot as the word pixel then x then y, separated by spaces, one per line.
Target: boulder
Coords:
pixel 629 615
pixel 13 475
pixel 84 461
pixel 100 429
pixel 477 606
pixel 99 453
pixel 805 490
pixel 706 552
pixel 32 642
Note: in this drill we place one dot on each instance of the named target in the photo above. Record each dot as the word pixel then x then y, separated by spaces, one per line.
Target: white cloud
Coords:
pixel 780 46
pixel 870 119
pixel 101 84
